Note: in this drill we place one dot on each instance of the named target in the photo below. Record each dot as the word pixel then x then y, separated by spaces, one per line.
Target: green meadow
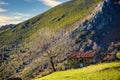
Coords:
pixel 102 71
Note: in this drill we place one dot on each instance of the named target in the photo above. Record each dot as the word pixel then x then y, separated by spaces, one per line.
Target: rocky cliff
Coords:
pixel 100 32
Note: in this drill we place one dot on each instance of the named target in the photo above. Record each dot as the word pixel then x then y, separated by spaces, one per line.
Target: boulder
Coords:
pixel 89 27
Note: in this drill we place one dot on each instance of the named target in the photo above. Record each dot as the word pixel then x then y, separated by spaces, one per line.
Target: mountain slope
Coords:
pixel 51 20
pixel 21 47
pixel 104 71
pixel 100 33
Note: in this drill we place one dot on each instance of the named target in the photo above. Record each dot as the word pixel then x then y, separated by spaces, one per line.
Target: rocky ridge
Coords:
pixel 99 32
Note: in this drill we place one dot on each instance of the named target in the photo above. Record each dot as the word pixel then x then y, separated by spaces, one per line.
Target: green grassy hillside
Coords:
pixel 53 19
pixel 103 71
pixel 20 47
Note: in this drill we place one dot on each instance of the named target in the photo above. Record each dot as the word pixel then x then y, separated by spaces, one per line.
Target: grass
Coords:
pixel 103 71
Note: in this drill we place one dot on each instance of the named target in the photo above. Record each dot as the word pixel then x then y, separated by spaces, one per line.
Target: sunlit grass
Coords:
pixel 103 71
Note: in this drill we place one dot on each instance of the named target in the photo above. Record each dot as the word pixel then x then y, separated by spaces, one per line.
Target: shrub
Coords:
pixel 118 55
pixel 17 78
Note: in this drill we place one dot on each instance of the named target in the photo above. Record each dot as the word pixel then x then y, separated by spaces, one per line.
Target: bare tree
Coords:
pixel 55 47
pixel 52 50
pixel 53 55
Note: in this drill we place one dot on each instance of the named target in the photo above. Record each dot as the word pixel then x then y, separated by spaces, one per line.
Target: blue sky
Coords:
pixel 16 11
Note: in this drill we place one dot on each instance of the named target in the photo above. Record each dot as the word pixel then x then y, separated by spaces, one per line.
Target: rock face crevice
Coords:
pixel 101 30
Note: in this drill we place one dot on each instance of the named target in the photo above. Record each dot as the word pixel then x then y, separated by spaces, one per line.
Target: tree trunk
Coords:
pixel 52 64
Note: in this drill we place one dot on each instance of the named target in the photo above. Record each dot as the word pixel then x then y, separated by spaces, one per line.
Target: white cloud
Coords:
pixel 21 14
pixel 2 3
pixel 14 19
pixel 51 3
pixel 2 10
pixel 8 20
